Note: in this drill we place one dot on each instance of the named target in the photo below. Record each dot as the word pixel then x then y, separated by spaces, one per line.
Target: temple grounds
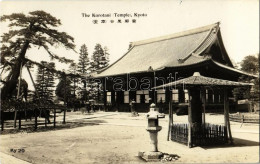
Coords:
pixel 111 137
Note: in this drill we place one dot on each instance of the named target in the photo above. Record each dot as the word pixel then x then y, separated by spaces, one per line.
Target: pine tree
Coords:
pixel 39 29
pixel 83 63
pixel 98 53
pixel 100 60
pixel 45 81
pixel 63 89
pixel 83 69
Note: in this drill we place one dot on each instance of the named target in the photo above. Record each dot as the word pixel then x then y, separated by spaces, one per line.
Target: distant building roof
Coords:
pixel 176 50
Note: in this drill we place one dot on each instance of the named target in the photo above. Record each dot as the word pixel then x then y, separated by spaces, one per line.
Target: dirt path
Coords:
pixel 118 138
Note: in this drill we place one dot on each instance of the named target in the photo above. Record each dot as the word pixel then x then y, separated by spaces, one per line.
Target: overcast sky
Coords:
pixel 239 23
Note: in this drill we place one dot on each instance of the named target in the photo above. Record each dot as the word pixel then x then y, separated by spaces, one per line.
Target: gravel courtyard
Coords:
pixel 111 137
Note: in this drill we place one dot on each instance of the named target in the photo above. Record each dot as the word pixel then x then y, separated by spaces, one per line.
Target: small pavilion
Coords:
pixel 197 132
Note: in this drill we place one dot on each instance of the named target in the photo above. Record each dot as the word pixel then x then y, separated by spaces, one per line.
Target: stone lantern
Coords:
pixel 153 128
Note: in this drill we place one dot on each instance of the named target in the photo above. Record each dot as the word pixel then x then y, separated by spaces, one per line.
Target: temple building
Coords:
pixel 157 61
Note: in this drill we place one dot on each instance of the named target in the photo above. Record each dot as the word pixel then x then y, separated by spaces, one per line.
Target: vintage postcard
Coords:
pixel 129 81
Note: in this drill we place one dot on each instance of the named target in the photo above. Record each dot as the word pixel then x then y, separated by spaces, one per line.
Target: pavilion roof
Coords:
pixel 199 80
pixel 175 50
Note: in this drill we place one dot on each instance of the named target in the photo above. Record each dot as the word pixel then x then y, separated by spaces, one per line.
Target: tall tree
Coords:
pixel 83 69
pixel 99 58
pixel 45 81
pixel 249 64
pixel 63 89
pixel 97 54
pixel 38 29
pixel 83 63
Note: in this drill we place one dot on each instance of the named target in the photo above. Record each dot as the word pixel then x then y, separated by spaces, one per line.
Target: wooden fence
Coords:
pixel 202 135
pixel 244 118
pixel 179 133
pixel 27 111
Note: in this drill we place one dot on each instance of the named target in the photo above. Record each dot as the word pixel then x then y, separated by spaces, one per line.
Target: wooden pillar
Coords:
pixel 105 94
pixel 170 118
pixel 203 98
pixel 116 101
pixel 181 95
pixel 226 117
pixel 210 96
pixel 154 96
pixel 105 100
pixel 113 98
pixel 190 122
pixel 132 95
pixel 151 96
pixel 216 96
pixel 168 95
pixel 196 105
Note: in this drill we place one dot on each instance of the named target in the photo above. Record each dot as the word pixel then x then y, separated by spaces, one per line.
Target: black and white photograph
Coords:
pixel 129 81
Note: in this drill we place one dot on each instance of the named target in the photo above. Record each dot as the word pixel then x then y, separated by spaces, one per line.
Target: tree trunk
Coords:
pixel 12 78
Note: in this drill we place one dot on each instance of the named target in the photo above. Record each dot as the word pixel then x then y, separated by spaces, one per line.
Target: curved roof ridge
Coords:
pixel 199 45
pixel 176 35
pixel 233 69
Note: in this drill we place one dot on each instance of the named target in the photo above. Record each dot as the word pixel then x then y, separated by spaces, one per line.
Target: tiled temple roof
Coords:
pixel 175 50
